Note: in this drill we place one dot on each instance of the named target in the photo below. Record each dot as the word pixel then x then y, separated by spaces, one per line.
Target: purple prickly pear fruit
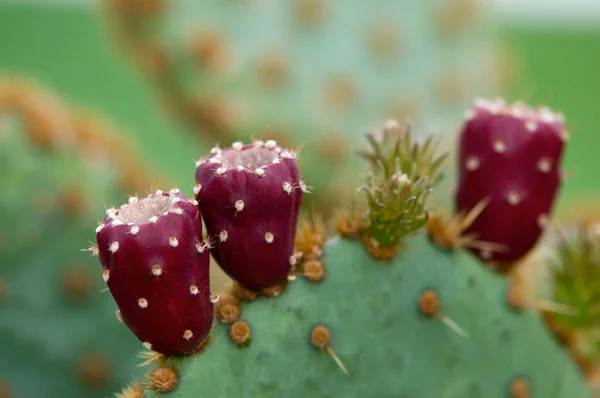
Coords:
pixel 250 196
pixel 156 266
pixel 509 155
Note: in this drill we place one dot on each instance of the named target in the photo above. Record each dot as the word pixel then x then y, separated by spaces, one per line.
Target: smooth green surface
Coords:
pixel 389 348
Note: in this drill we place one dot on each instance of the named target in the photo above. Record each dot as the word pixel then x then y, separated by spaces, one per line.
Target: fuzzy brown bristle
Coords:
pixel 311 237
pixel 228 309
pixel 242 293
pixel 429 303
pixel 162 379
pixel 313 270
pixel 240 333
pixel 349 226
pixel 275 290
pixel 133 390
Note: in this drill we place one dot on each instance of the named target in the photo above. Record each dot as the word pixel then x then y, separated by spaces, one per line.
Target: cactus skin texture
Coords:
pixel 509 155
pixel 376 329
pixel 156 266
pixel 250 197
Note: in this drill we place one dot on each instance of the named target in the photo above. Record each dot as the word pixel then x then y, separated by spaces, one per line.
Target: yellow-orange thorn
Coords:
pixel 349 226
pixel 151 357
pixel 429 303
pixel 242 293
pixel 94 370
pixel 379 253
pixel 239 332
pixel 311 237
pixel 319 336
pixel 449 234
pixel 227 309
pixel 77 282
pixel 275 290
pixel 133 390
pixel 162 379
pixel 519 388
pixel 313 270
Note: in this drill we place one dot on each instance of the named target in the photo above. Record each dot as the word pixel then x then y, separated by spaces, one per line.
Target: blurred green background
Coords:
pixel 71 50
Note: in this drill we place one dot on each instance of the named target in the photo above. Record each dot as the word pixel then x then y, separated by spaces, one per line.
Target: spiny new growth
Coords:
pixel 575 281
pixel 250 196
pixel 403 174
pixel 156 266
pixel 509 157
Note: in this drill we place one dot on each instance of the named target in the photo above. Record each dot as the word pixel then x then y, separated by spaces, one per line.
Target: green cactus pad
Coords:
pixel 389 348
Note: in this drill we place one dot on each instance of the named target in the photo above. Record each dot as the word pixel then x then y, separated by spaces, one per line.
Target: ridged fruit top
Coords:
pixel 249 196
pixel 510 155
pixel 156 266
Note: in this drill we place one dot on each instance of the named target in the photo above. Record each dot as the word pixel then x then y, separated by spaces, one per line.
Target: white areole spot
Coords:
pixel 499 146
pixel 239 205
pixel 114 247
pixel 472 163
pixel 223 236
pixel 143 303
pixel 197 189
pixel 193 290
pixel 173 241
pixel 134 230
pixel 269 237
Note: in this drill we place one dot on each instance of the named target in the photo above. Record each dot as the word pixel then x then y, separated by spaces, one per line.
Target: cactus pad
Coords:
pixel 369 315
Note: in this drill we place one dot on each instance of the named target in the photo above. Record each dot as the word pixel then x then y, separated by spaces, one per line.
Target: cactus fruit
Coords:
pixel 436 315
pixel 509 156
pixel 250 197
pixel 156 266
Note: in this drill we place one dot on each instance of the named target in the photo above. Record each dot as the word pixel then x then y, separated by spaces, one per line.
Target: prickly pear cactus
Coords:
pixel 313 74
pixel 56 324
pixel 381 309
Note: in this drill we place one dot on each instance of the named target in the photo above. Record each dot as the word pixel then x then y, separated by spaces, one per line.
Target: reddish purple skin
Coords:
pixel 172 309
pixel 246 256
pixel 517 227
